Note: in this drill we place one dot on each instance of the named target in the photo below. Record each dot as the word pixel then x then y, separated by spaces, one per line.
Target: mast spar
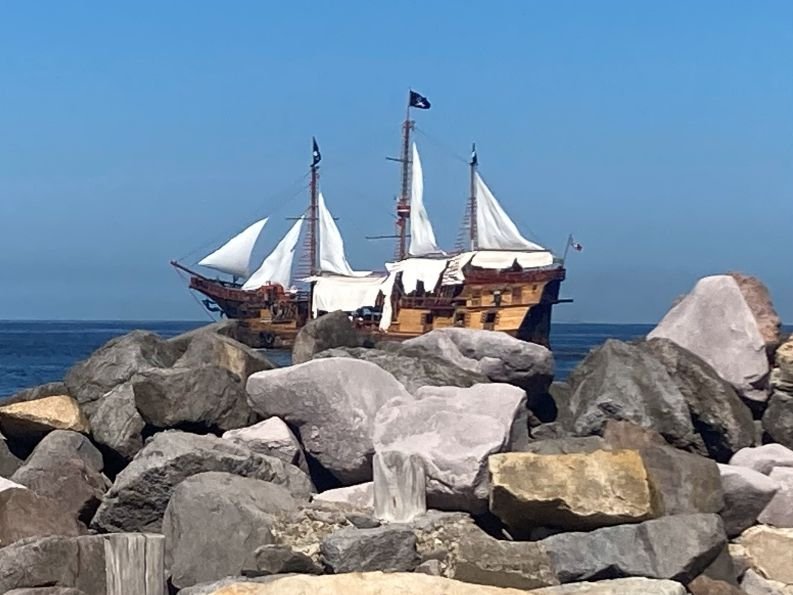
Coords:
pixel 313 211
pixel 472 200
pixel 403 204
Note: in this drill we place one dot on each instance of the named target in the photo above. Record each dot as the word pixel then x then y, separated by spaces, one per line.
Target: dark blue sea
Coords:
pixel 33 353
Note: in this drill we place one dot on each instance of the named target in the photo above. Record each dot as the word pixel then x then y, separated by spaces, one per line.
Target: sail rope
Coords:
pixel 280 205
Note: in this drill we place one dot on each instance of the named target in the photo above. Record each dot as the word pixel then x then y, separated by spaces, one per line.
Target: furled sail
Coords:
pixel 277 268
pixel 422 238
pixel 234 257
pixel 494 229
pixel 331 244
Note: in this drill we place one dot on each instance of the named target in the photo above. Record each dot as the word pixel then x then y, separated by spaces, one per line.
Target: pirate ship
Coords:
pixel 498 280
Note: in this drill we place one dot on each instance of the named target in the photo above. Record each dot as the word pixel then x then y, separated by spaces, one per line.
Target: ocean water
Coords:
pixel 33 353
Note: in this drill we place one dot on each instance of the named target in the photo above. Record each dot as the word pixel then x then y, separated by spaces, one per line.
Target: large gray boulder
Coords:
pixel 623 381
pixel 280 559
pixel 454 431
pixel 778 419
pixel 715 322
pixel 139 496
pixel 779 511
pixel 47 591
pixel 332 403
pixel 35 393
pixel 25 514
pixel 116 362
pixel 720 417
pixel 66 467
pixel 77 562
pixel 9 462
pixel 746 494
pixel 334 329
pixel 676 547
pixel 206 397
pixel 213 349
pixel 117 425
pixel 763 458
pixel 413 366
pixel 390 549
pixel 214 523
pixel 498 356
pixel 270 437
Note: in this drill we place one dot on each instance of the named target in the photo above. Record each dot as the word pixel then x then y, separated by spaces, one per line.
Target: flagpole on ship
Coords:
pixel 472 200
pixel 403 204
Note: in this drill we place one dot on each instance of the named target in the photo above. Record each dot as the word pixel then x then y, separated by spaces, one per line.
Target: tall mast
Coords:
pixel 313 212
pixel 472 200
pixel 403 204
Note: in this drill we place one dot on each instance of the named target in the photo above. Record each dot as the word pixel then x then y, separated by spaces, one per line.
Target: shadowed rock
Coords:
pixel 334 329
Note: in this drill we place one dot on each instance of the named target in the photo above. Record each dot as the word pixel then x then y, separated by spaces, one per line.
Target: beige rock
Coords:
pixel 784 362
pixel 32 419
pixel 770 551
pixel 572 491
pixel 620 586
pixel 365 583
pixel 759 301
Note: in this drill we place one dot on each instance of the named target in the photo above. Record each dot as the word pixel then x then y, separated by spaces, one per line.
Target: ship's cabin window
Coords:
pixel 517 295
pixel 489 318
pixel 459 319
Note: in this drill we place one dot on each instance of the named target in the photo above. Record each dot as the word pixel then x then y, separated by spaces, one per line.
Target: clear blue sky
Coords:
pixel 660 133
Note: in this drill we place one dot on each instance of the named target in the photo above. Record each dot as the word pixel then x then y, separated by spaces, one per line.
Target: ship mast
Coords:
pixel 472 200
pixel 403 204
pixel 313 213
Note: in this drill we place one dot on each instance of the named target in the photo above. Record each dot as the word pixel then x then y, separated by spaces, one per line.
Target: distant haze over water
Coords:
pixel 35 352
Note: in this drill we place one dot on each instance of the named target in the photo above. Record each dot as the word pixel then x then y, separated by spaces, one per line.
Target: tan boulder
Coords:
pixel 34 419
pixel 364 583
pixel 770 551
pixel 759 301
pixel 784 361
pixel 571 491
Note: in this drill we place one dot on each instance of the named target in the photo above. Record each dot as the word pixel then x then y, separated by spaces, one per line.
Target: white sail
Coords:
pixel 422 238
pixel 331 244
pixel 234 257
pixel 277 268
pixel 494 229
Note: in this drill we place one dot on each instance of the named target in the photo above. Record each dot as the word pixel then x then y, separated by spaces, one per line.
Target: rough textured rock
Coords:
pixel 746 494
pixel 499 357
pixel 400 490
pixel 58 561
pixel 209 348
pixel 779 511
pixel 703 585
pixel 47 591
pixel 753 583
pixel 719 416
pixel 115 363
pixel 624 382
pixel 206 397
pixel 770 550
pixel 390 549
pixel 30 420
pixel 759 301
pixel 676 547
pixel 211 506
pixel 359 583
pixel 486 561
pixel 778 419
pixel 618 586
pixel 575 491
pixel 453 430
pixel 24 514
pixel 715 322
pixel 564 446
pixel 625 434
pixel 784 362
pixel 9 462
pixel 271 437
pixel 140 494
pixel 360 495
pixel 332 403
pixel 303 530
pixel 117 424
pixel 37 392
pixel 414 366
pixel 334 329
pixel 66 467
pixel 763 458
pixel 279 559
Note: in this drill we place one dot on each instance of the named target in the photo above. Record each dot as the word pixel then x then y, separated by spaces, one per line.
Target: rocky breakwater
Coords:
pixel 445 464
